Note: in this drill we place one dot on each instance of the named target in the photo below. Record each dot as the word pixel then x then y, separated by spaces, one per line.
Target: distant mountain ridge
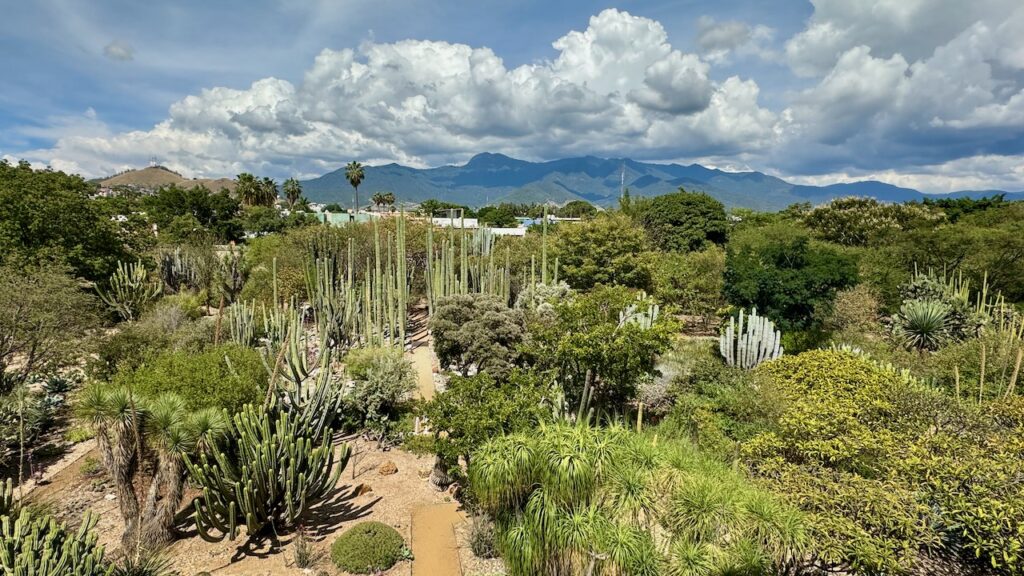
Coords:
pixel 155 177
pixel 492 178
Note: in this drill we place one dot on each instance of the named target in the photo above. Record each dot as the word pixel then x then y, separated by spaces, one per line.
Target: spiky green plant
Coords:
pixel 581 500
pixel 922 324
pixel 129 290
pixel 241 320
pixel 753 341
pixel 276 473
pixel 39 546
pixel 144 565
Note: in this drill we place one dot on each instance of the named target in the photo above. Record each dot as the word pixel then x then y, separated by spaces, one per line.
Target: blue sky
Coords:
pixel 923 93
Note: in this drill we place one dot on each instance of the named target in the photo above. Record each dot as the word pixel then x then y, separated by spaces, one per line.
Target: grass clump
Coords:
pixel 368 547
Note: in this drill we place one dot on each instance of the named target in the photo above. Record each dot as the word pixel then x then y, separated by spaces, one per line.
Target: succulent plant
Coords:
pixel 753 341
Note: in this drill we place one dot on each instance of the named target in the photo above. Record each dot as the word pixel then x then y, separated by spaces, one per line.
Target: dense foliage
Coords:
pixel 684 221
pixel 367 548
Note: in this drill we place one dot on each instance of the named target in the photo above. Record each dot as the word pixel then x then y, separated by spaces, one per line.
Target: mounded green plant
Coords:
pixel 39 546
pixel 368 548
pixel 129 290
pixel 747 345
pixel 579 500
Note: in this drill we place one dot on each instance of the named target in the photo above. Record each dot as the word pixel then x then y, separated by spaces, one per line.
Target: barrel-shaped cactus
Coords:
pixel 276 473
pixel 753 341
pixel 40 546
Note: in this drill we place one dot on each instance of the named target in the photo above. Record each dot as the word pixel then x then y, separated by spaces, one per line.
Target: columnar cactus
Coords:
pixel 129 290
pixel 241 319
pixel 474 269
pixel 8 504
pixel 276 474
pixel 754 341
pixel 42 547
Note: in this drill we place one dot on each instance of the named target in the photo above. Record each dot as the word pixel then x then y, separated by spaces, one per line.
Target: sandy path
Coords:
pixel 434 548
pixel 422 354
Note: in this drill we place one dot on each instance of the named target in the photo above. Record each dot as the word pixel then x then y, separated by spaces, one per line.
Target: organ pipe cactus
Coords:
pixel 241 319
pixel 42 547
pixel 8 504
pixel 276 474
pixel 753 341
pixel 129 290
pixel 465 264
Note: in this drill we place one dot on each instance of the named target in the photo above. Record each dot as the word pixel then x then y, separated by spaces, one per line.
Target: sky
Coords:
pixel 927 94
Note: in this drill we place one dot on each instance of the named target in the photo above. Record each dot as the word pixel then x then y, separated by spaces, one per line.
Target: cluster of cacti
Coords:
pixel 372 311
pixel 535 292
pixel 177 270
pixel 230 274
pixel 278 470
pixel 644 318
pixel 8 503
pixel 41 547
pixel 753 341
pixel 241 320
pixel 129 290
pixel 473 270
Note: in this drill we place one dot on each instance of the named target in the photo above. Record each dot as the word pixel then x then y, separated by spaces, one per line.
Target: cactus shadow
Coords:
pixel 337 509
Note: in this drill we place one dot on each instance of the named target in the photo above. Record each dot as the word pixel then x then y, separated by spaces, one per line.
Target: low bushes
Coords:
pixel 226 376
pixel 368 547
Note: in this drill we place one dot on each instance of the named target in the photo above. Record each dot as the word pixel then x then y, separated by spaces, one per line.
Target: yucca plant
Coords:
pixel 922 324
pixel 144 565
pixel 129 290
pixel 131 432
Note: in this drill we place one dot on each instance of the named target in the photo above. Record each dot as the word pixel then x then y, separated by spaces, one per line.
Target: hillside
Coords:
pixel 156 176
pixel 492 178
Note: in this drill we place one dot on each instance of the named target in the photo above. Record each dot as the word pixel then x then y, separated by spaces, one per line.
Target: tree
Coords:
pixel 248 189
pixel 47 217
pixel 378 200
pixel 477 330
pixel 605 250
pixel 608 338
pixel 268 192
pixel 389 200
pixel 577 209
pixel 354 174
pixel 685 221
pixel 134 433
pixel 501 216
pixel 292 192
pixel 44 311
pixel 786 276
pixel 207 213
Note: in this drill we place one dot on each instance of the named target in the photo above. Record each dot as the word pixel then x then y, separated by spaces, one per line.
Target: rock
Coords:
pixel 110 497
pixel 363 489
pixel 388 468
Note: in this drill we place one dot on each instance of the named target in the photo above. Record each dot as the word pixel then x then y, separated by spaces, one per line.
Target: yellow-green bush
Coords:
pixel 368 548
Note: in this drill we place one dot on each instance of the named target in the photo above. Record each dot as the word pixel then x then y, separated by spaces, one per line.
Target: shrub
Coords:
pixel 606 250
pixel 477 330
pixel 226 376
pixel 684 221
pixel 368 547
pixel 855 310
pixel 382 379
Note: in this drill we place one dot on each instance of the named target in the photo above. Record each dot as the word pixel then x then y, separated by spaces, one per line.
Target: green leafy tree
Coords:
pixel 577 209
pixel 606 250
pixel 354 173
pixel 866 221
pixel 44 312
pixel 685 221
pixel 607 334
pixel 47 217
pixel 477 330
pixel 786 276
pixel 206 213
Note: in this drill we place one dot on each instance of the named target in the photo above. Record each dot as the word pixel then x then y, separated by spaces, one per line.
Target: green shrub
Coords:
pixel 368 547
pixel 226 376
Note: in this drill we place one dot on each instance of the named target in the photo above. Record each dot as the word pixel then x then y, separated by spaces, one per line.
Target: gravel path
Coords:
pixel 434 548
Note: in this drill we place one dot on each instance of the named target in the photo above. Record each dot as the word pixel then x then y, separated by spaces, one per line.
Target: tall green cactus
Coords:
pixel 754 341
pixel 471 270
pixel 241 319
pixel 129 290
pixel 42 547
pixel 277 472
pixel 8 503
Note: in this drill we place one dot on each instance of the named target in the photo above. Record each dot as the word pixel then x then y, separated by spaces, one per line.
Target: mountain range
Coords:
pixel 492 178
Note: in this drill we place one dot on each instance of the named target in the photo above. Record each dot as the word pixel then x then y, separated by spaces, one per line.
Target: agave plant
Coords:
pixel 922 324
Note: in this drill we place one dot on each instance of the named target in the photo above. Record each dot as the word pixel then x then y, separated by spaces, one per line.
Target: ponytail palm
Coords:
pixel 576 500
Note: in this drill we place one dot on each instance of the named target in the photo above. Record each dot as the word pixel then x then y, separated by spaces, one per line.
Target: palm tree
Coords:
pixel 129 430
pixel 354 173
pixel 248 189
pixel 389 199
pixel 292 192
pixel 378 200
pixel 268 192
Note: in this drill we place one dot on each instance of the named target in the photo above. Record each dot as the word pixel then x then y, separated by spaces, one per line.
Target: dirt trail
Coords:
pixel 434 548
pixel 422 354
